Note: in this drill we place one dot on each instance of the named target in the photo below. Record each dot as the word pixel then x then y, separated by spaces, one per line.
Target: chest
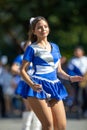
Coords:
pixel 44 55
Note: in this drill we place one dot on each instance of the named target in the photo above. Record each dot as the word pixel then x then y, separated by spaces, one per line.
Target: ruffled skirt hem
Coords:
pixel 50 90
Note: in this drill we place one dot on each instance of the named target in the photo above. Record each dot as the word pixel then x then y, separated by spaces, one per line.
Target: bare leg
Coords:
pixel 43 112
pixel 27 105
pixel 59 117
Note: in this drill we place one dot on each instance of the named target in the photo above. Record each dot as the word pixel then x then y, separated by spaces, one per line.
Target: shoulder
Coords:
pixel 29 48
pixel 54 45
pixel 18 58
pixel 29 51
pixel 35 48
pixel 85 57
pixel 32 46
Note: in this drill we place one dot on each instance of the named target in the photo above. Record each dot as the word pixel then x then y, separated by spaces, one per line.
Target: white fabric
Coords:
pixel 36 124
pixel 46 69
pixel 80 63
pixel 30 121
pixel 54 81
pixel 27 119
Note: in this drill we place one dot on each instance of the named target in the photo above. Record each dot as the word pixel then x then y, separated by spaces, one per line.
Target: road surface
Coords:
pixel 16 124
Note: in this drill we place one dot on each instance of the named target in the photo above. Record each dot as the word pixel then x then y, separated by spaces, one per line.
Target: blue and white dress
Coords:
pixel 18 61
pixel 21 87
pixel 45 65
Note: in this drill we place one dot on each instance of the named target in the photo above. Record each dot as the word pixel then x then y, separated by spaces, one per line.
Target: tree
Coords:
pixel 67 19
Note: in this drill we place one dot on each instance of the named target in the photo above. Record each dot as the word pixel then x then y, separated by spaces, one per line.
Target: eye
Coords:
pixel 45 26
pixel 39 27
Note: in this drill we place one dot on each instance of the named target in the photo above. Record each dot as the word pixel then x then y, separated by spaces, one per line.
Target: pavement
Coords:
pixel 16 124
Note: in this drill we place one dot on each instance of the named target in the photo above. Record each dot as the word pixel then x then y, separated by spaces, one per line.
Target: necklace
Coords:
pixel 46 46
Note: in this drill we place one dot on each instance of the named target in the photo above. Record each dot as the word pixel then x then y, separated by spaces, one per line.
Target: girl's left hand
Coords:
pixel 76 78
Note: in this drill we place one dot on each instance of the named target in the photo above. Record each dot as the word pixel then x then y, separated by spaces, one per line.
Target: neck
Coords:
pixel 42 41
pixel 44 44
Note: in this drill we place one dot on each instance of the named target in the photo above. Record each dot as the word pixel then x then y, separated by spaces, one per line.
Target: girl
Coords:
pixel 44 90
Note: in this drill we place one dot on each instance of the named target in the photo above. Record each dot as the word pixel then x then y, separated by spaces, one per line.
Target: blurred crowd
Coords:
pixel 77 99
pixel 11 105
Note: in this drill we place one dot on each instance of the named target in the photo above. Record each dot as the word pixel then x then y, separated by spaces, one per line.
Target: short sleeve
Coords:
pixel 18 60
pixel 29 54
pixel 59 52
pixel 56 50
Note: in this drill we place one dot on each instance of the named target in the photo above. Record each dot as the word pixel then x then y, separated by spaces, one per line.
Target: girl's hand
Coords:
pixel 37 87
pixel 76 78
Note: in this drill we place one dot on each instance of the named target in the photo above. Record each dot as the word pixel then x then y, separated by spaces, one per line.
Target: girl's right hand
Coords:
pixel 37 87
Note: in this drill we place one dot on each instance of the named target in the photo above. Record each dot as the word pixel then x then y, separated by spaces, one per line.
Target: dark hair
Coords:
pixel 33 37
pixel 79 47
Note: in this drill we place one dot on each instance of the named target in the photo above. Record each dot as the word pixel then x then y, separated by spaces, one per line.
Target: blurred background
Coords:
pixel 68 23
pixel 67 19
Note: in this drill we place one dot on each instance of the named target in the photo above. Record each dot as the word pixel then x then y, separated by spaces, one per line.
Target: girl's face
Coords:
pixel 41 29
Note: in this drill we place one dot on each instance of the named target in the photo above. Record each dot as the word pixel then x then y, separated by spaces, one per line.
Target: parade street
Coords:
pixel 16 124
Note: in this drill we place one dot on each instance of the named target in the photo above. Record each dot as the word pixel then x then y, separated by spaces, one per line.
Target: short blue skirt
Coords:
pixel 22 89
pixel 51 90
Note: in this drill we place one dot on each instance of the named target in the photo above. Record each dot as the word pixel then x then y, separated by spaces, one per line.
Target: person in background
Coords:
pixel 69 100
pixel 3 80
pixel 30 121
pixel 78 66
pixel 8 90
pixel 2 99
pixel 17 103
pixel 45 92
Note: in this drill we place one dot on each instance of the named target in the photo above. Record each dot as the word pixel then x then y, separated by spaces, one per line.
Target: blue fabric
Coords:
pixel 77 66
pixel 41 57
pixel 18 59
pixel 50 76
pixel 17 79
pixel 21 85
pixel 57 90
pixel 21 89
pixel 49 81
pixel 29 54
pixel 74 70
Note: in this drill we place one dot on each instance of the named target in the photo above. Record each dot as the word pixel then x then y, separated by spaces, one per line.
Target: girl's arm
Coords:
pixel 62 74
pixel 15 69
pixel 26 77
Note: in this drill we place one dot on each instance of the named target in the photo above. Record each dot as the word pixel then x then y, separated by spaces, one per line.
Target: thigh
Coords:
pixel 59 116
pixel 42 110
pixel 27 105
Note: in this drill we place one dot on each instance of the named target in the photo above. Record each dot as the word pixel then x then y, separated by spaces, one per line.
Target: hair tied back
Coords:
pixel 31 20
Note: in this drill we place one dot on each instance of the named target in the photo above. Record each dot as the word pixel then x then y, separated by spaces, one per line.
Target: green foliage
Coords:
pixel 67 20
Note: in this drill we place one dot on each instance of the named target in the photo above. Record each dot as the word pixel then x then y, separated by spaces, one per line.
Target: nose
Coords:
pixel 43 28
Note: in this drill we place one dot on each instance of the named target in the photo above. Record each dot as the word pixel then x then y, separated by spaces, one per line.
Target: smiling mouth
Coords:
pixel 44 32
